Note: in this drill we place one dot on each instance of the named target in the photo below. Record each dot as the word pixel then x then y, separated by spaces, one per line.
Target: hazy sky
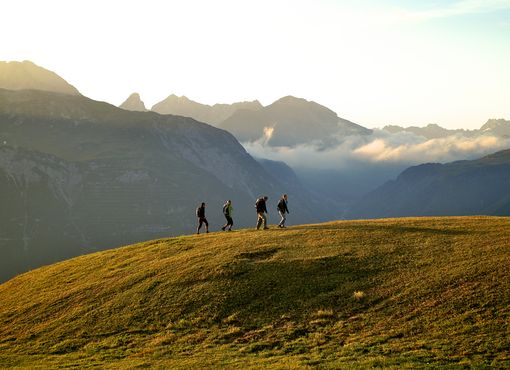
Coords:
pixel 374 62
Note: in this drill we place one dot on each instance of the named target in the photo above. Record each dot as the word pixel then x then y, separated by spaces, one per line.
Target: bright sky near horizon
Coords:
pixel 373 62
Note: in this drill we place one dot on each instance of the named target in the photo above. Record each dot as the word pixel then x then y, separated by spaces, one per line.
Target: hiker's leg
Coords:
pixel 259 220
pixel 206 225
pixel 199 225
pixel 230 222
pixel 264 218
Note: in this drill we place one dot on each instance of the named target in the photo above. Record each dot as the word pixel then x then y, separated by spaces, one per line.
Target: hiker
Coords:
pixel 282 209
pixel 227 212
pixel 202 219
pixel 260 205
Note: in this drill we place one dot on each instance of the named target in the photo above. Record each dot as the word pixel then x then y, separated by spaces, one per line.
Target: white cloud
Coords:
pixel 434 150
pixel 381 148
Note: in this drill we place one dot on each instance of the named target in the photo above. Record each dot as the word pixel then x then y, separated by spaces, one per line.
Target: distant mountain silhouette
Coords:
pixel 27 75
pixel 182 106
pixel 473 187
pixel 431 131
pixel 495 127
pixel 291 121
pixel 79 175
pixel 134 103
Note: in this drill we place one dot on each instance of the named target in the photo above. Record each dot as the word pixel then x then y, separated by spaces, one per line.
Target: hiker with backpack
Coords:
pixel 260 205
pixel 282 209
pixel 227 212
pixel 202 219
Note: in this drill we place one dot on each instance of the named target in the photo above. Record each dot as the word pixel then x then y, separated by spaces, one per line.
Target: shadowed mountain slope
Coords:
pixel 459 188
pixel 105 177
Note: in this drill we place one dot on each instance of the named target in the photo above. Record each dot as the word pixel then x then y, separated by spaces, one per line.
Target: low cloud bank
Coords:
pixel 379 148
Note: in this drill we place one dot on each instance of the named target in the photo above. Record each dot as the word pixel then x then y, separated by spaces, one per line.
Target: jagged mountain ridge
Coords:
pixel 431 131
pixel 497 127
pixel 213 115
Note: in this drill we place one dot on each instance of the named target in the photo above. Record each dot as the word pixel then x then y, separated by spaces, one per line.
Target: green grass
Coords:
pixel 398 293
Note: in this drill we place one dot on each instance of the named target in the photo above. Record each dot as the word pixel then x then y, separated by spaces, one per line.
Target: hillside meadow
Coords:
pixel 397 293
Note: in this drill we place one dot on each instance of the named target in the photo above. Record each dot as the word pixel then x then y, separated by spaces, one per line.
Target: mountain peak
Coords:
pixel 134 103
pixel 27 75
pixel 494 123
pixel 302 105
pixel 181 99
pixel 290 100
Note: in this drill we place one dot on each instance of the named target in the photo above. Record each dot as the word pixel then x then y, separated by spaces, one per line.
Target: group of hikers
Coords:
pixel 260 206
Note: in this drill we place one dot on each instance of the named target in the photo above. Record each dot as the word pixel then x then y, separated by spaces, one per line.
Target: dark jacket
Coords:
pixel 261 205
pixel 227 210
pixel 282 206
pixel 201 212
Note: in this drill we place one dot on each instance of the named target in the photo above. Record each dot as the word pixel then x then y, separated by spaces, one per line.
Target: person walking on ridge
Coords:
pixel 260 205
pixel 227 212
pixel 202 219
pixel 282 209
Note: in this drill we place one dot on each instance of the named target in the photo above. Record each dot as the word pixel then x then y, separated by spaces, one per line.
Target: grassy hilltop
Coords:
pixel 393 292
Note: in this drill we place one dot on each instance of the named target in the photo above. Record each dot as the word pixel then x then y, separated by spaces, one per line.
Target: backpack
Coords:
pixel 281 205
pixel 225 209
pixel 198 212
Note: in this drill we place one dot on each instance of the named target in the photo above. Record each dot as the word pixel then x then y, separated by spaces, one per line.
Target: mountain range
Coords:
pixel 213 115
pixel 496 127
pixel 292 121
pixel 289 121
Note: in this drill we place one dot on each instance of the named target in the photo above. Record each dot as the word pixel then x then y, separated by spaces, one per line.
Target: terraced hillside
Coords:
pixel 412 292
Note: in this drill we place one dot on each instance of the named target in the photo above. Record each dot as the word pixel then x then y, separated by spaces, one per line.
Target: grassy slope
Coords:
pixel 436 291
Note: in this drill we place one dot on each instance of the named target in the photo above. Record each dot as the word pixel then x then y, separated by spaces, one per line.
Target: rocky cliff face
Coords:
pixel 78 175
